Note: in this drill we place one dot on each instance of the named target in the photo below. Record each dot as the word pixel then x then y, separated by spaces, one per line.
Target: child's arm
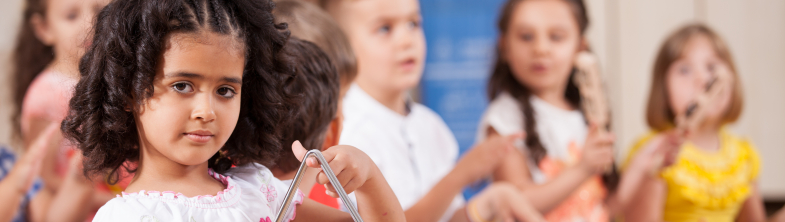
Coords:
pixel 653 191
pixel 16 184
pixel 357 173
pixel 640 180
pixel 479 162
pixel 658 153
pixel 597 155
pixel 38 126
pixel 752 209
pixel 76 201
pixel 499 202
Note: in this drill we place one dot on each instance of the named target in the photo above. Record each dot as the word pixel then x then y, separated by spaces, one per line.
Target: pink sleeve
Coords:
pixel 46 98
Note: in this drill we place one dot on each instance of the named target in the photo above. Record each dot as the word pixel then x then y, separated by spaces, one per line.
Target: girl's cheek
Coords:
pixel 723 105
pixel 679 94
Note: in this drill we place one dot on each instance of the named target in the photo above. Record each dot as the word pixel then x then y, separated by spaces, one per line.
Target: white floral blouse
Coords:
pixel 251 194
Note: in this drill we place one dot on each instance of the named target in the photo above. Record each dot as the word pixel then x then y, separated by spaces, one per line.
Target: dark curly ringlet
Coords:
pixel 119 68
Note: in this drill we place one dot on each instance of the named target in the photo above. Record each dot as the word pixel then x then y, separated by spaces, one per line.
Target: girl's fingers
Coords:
pixel 344 177
pixel 337 167
pixel 37 150
pixel 329 188
pixel 352 185
pixel 298 150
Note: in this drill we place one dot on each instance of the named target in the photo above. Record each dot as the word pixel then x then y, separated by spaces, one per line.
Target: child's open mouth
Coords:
pixel 199 136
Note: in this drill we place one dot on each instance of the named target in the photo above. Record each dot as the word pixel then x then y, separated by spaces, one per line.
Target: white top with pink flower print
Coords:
pixel 251 194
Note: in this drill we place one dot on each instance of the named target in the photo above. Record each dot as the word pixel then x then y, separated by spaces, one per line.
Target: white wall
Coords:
pixel 10 16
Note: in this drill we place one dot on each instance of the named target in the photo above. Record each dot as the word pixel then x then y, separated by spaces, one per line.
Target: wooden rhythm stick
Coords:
pixel 330 175
pixel 589 80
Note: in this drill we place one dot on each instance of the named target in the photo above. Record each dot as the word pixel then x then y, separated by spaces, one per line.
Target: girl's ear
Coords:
pixel 333 134
pixel 42 29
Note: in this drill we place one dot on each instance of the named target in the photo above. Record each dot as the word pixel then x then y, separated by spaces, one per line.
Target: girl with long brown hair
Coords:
pixel 561 164
pixel 52 38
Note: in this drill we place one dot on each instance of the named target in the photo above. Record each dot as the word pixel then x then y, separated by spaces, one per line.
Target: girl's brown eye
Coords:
pixel 182 87
pixel 527 37
pixel 226 92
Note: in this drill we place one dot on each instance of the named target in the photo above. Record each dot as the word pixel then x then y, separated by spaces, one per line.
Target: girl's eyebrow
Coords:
pixel 232 80
pixel 184 75
pixel 197 76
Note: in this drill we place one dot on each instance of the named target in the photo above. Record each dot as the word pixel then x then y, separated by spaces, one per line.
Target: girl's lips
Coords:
pixel 538 68
pixel 408 65
pixel 200 136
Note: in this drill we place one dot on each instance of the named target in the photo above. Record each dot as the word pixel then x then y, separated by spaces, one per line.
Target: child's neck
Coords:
pixel 309 179
pixel 158 173
pixel 393 100
pixel 66 67
pixel 555 97
pixel 706 138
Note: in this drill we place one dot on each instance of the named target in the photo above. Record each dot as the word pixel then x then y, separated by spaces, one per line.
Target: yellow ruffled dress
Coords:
pixel 708 186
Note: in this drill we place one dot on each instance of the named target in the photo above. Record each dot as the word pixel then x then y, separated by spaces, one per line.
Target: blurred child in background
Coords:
pixel 310 23
pixel 560 166
pixel 315 120
pixel 714 175
pixel 410 143
pixel 52 39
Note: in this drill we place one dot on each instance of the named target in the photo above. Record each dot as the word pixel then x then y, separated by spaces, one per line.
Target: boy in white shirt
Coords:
pixel 411 144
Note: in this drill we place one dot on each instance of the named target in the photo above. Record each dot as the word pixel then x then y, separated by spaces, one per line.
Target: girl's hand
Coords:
pixel 352 167
pixel 29 166
pixel 661 152
pixel 597 154
pixel 501 202
pixel 481 160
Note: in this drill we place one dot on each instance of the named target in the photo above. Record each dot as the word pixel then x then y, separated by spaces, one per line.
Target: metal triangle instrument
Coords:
pixel 330 175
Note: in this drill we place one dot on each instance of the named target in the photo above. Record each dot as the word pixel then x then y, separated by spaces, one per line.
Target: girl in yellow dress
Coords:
pixel 713 175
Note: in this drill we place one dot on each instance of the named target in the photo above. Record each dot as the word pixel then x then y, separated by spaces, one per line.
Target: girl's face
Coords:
pixel 196 101
pixel 541 43
pixel 388 40
pixel 687 77
pixel 67 26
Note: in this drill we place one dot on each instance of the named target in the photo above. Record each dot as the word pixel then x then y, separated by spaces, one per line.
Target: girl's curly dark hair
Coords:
pixel 117 75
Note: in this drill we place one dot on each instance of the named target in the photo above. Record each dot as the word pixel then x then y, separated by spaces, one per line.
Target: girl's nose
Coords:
pixel 405 38
pixel 702 77
pixel 203 111
pixel 541 46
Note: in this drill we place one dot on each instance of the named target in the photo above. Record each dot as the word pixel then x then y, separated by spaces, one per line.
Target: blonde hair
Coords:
pixel 659 114
pixel 309 22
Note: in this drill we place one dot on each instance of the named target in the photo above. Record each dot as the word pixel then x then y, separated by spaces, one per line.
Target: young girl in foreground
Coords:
pixel 186 90
pixel 714 176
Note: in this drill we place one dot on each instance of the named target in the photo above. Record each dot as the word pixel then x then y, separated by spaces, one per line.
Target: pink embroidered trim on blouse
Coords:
pixel 171 195
pixel 295 202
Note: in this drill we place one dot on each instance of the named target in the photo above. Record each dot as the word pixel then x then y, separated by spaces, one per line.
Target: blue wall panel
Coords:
pixel 461 37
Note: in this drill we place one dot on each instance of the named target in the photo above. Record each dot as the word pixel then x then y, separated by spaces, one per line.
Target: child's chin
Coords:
pixel 192 158
pixel 408 81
